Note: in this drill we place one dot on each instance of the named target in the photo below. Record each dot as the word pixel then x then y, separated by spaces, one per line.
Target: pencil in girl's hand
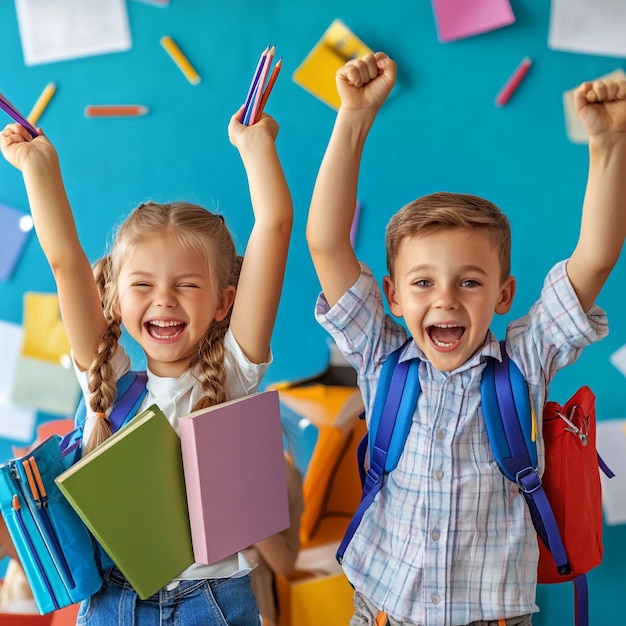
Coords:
pixel 253 83
pixel 268 89
pixel 10 110
pixel 258 90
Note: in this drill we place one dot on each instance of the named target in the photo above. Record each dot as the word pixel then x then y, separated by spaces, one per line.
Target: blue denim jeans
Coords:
pixel 214 602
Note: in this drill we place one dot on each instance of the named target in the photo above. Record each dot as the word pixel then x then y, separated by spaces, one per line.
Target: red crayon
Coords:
pixel 511 85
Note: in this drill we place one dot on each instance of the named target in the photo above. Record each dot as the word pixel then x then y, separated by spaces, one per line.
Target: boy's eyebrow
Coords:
pixel 464 268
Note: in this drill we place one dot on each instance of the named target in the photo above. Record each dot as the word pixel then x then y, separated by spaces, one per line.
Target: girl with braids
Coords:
pixel 202 315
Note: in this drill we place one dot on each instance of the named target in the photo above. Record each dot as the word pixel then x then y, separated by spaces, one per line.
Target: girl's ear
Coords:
pixel 228 298
pixel 392 296
pixel 507 291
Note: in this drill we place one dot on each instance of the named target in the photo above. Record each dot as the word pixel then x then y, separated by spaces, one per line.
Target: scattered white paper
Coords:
pixel 57 30
pixel 588 26
pixel 576 132
pixel 611 445
pixel 618 359
pixel 16 422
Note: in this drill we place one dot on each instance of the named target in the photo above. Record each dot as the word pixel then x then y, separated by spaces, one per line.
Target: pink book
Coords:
pixel 234 474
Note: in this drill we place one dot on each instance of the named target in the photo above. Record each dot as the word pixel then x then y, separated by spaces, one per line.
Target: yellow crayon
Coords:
pixel 41 104
pixel 179 58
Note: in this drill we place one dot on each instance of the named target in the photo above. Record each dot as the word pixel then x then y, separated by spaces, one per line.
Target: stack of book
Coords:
pixel 157 503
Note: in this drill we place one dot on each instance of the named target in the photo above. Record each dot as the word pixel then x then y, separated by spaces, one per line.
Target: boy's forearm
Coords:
pixel 604 210
pixel 335 193
pixel 603 224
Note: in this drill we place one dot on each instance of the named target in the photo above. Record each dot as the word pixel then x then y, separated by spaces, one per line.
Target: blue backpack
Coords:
pixel 61 559
pixel 131 390
pixel 511 427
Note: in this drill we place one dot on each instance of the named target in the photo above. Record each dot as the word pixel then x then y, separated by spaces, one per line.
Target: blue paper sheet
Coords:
pixel 14 230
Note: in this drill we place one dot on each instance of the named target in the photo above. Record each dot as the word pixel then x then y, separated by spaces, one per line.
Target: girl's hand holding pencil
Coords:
pixel 8 108
pixel 260 87
pixel 20 148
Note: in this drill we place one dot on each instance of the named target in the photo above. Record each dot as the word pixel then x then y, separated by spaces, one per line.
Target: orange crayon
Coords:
pixel 268 88
pixel 115 110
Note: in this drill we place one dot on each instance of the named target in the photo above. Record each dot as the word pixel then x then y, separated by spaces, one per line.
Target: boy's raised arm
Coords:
pixel 601 107
pixel 363 86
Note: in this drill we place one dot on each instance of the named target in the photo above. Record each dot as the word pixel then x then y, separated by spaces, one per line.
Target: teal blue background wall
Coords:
pixel 440 130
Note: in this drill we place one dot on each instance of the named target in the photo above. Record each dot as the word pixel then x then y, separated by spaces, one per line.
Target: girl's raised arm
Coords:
pixel 263 269
pixel 79 301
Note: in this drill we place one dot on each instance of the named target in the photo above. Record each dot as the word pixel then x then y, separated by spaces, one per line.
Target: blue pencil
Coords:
pixel 253 83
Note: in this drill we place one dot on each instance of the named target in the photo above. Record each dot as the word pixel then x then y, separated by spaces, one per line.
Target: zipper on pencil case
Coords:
pixel 17 508
pixel 45 524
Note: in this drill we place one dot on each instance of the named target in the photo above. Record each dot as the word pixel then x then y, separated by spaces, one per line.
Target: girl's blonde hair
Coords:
pixel 445 210
pixel 201 232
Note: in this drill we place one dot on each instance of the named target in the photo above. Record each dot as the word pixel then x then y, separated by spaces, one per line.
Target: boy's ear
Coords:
pixel 391 294
pixel 507 291
pixel 228 299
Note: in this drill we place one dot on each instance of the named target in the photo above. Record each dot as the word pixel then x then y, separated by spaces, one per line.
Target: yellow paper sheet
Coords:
pixel 317 72
pixel 44 334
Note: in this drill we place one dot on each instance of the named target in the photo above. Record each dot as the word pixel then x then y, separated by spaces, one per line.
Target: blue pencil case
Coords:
pixel 57 551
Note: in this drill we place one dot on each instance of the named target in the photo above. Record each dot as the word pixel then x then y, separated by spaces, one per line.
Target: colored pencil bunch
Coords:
pixel 259 91
pixel 8 108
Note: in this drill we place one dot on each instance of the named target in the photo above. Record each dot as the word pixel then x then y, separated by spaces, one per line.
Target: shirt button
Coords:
pixel 435 536
pixel 438 474
pixel 441 434
pixel 435 598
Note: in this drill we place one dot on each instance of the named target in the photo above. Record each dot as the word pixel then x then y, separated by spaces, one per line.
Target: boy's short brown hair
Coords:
pixel 445 210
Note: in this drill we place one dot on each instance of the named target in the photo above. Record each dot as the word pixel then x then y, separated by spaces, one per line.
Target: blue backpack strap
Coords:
pixel 131 390
pixel 507 414
pixel 394 405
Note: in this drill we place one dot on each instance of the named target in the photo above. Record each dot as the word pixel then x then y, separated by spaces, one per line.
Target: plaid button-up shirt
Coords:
pixel 448 539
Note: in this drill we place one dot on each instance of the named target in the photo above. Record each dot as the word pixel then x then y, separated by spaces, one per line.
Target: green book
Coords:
pixel 130 492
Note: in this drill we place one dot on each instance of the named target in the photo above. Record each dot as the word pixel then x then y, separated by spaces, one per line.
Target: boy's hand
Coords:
pixel 18 147
pixel 365 83
pixel 601 107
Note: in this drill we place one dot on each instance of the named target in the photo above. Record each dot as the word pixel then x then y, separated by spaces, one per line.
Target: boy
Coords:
pixel 448 539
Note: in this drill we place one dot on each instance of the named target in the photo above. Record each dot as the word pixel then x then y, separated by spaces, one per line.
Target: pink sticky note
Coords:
pixel 457 19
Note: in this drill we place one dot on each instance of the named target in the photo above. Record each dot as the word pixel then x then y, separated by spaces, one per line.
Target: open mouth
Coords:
pixel 446 335
pixel 160 329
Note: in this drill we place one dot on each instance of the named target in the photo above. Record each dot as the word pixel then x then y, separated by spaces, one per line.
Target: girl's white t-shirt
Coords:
pixel 178 396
